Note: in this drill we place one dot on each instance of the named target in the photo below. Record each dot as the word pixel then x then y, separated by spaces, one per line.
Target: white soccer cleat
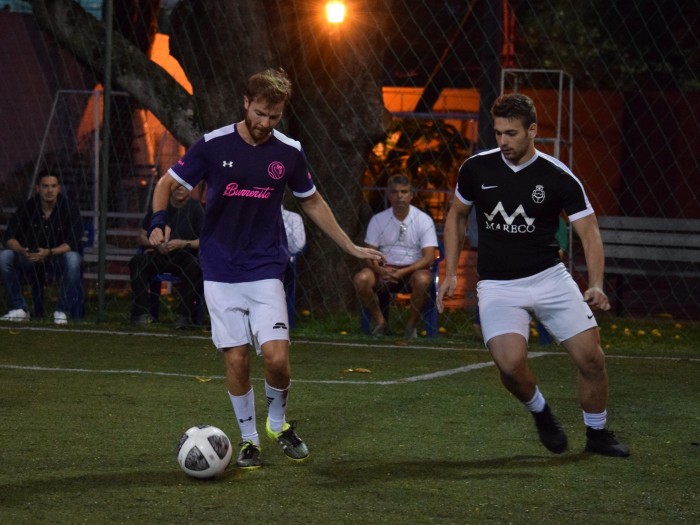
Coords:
pixel 60 317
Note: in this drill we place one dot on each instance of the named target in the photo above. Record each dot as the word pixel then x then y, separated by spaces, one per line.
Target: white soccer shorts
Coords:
pixel 247 313
pixel 552 295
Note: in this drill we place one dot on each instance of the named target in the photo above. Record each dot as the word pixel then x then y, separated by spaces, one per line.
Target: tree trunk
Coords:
pixel 336 114
pixel 137 21
pixel 219 45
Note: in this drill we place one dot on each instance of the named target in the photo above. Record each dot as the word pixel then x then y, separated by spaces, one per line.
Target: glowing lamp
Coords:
pixel 335 12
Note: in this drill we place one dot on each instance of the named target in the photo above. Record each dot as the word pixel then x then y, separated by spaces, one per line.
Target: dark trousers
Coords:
pixel 182 263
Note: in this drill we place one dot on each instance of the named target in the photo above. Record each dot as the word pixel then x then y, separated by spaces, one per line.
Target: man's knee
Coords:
pixel 72 261
pixel 592 363
pixel 509 352
pixel 237 359
pixel 363 280
pixel 420 281
pixel 513 368
pixel 276 356
pixel 7 257
pixel 585 350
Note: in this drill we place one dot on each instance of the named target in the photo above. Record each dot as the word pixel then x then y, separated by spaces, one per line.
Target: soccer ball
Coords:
pixel 204 452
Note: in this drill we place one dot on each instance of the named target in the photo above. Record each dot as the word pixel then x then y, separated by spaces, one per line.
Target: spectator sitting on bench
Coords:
pixel 44 234
pixel 407 237
pixel 177 256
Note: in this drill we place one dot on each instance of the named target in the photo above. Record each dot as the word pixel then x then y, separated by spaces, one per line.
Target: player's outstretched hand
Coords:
pixel 596 298
pixel 447 288
pixel 367 253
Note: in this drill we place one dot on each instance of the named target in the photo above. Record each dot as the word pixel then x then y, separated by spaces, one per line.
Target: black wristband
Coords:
pixel 158 220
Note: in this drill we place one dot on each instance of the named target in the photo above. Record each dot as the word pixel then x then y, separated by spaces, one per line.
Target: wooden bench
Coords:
pixel 648 246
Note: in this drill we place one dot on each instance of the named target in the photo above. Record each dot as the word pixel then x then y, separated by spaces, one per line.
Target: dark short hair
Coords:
pixel 399 180
pixel 272 85
pixel 48 173
pixel 515 105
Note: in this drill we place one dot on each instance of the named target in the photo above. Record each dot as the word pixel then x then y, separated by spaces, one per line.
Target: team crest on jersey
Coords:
pixel 275 170
pixel 538 194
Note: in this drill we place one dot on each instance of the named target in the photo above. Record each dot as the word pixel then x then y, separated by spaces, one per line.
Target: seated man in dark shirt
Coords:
pixel 178 256
pixel 44 234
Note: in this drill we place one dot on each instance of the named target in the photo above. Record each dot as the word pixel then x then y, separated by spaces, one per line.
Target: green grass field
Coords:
pixel 91 417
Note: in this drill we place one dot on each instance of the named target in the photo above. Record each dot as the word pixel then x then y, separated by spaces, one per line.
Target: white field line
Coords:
pixel 208 338
pixel 412 379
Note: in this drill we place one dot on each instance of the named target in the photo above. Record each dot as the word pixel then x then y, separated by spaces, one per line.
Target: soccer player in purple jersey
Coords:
pixel 243 249
pixel 518 194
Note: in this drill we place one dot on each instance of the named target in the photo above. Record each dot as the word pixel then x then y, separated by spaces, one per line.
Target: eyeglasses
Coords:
pixel 402 231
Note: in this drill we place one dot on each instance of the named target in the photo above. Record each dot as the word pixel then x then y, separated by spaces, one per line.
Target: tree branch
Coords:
pixel 132 71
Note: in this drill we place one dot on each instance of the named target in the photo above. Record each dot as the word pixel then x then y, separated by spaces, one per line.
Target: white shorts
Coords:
pixel 552 295
pixel 247 313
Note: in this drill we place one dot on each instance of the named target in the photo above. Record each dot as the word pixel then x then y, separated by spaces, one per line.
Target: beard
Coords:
pixel 258 133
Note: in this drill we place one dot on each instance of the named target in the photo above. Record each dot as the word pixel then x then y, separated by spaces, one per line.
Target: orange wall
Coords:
pixel 596 137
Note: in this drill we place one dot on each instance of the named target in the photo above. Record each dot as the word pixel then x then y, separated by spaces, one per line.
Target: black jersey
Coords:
pixel 517 211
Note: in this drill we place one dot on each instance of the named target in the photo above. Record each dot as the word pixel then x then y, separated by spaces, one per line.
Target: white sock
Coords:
pixel 244 409
pixel 595 421
pixel 537 403
pixel 276 406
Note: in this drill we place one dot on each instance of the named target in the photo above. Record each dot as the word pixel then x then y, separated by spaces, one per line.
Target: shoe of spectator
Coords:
pixel 182 322
pixel 60 317
pixel 410 333
pixel 15 316
pixel 379 330
pixel 143 320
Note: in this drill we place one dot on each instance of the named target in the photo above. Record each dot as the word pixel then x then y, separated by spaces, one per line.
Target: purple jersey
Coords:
pixel 243 237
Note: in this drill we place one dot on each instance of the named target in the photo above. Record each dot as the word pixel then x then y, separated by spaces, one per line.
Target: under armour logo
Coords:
pixel 228 164
pixel 279 325
pixel 250 418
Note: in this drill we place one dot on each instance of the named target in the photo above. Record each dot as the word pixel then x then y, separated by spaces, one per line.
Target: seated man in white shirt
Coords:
pixel 407 238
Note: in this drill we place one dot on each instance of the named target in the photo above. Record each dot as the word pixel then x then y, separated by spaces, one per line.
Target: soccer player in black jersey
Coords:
pixel 518 194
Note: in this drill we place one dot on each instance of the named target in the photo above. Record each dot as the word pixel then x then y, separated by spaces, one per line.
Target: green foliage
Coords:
pixel 429 152
pixel 91 418
pixel 646 44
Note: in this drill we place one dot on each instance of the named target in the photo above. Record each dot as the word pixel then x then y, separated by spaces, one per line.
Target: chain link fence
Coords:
pixel 397 86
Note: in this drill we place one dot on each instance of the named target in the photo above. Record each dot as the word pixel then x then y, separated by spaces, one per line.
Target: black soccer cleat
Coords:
pixel 249 456
pixel 603 441
pixel 292 445
pixel 552 436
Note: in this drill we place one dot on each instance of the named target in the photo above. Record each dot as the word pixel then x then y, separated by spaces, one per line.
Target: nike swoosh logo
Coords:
pixel 590 316
pixel 484 187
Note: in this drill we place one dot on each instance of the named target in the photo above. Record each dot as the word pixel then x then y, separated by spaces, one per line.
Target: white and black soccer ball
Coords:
pixel 204 452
